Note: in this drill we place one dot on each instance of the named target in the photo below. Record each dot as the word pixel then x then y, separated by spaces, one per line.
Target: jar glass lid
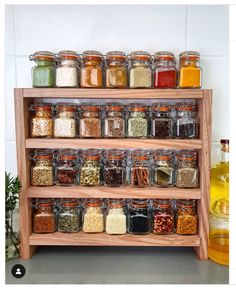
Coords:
pixel 164 55
pixel 140 55
pixel 68 54
pixel 189 55
pixel 43 55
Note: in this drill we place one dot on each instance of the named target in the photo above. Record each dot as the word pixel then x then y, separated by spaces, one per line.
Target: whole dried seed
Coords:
pixel 69 221
pixel 42 176
pixel 90 173
pixel 65 125
pixel 93 221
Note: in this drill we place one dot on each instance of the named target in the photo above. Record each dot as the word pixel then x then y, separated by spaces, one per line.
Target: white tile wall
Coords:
pixel 149 27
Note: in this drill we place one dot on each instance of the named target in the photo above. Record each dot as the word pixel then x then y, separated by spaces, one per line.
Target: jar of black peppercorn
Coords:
pixel 163 217
pixel 67 169
pixel 139 216
pixel 187 121
pixel 164 171
pixel 162 122
pixel 115 168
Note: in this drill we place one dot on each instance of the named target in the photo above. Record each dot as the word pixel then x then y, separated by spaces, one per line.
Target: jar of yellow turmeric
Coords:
pixel 189 70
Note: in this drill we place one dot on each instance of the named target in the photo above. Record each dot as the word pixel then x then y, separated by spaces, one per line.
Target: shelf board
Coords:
pixel 34 143
pixel 113 192
pixel 103 239
pixel 112 93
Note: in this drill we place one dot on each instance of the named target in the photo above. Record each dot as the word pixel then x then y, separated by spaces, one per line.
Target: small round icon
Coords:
pixel 18 271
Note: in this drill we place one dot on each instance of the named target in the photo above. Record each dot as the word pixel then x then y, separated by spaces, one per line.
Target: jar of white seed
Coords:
pixel 65 123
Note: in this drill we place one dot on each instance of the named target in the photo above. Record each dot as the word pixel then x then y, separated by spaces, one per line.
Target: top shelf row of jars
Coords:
pixel 116 70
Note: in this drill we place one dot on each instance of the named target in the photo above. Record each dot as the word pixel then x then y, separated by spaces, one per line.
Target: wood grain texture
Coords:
pixel 112 93
pixel 108 192
pixel 23 172
pixel 113 143
pixel 103 239
pixel 205 106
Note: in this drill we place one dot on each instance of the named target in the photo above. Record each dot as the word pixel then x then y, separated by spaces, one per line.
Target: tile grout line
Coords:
pixel 14 45
pixel 186 26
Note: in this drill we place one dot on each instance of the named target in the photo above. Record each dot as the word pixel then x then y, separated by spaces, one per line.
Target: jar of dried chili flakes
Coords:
pixel 165 72
pixel 163 217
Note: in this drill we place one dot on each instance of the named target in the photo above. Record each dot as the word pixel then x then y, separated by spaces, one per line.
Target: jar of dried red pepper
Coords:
pixel 44 219
pixel 163 217
pixel 165 73
pixel 91 74
pixel 67 168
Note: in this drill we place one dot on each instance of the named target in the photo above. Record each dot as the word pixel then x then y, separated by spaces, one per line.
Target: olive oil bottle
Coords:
pixel 219 208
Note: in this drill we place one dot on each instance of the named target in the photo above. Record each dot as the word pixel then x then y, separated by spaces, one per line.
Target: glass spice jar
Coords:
pixel 91 168
pixel 41 124
pixel 91 74
pixel 163 217
pixel 44 218
pixel 162 124
pixel 164 171
pixel 69 219
pixel 165 73
pixel 139 216
pixel 90 122
pixel 189 70
pixel 42 171
pixel 140 72
pixel 114 122
pixel 93 218
pixel 140 170
pixel 116 70
pixel 115 168
pixel 116 217
pixel 137 122
pixel 65 123
pixel 67 71
pixel 187 172
pixel 186 217
pixel 67 168
pixel 43 74
pixel 187 121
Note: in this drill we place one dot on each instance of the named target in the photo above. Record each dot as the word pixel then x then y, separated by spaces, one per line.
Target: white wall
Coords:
pixel 127 28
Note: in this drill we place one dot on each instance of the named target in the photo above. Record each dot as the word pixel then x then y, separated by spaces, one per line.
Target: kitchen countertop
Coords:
pixel 117 265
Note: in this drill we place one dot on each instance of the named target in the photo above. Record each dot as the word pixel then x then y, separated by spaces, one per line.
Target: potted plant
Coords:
pixel 12 242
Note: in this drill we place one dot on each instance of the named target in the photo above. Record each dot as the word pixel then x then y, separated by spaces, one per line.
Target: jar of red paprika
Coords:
pixel 165 72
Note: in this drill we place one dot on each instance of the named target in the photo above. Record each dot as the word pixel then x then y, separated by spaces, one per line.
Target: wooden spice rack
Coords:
pixel 30 241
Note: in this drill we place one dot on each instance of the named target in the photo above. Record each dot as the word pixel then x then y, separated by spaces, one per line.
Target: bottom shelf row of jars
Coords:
pixel 115 216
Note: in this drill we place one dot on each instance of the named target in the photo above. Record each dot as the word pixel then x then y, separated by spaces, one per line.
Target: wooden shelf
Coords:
pixel 34 143
pixel 103 239
pixel 112 93
pixel 108 192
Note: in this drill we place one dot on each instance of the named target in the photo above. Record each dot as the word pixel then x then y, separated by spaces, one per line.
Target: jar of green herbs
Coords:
pixel 69 216
pixel 44 72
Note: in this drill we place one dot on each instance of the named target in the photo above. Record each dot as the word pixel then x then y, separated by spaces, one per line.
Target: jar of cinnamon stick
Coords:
pixel 140 169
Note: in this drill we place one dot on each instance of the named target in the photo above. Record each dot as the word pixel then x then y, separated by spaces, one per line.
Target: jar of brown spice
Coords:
pixel 90 122
pixel 44 219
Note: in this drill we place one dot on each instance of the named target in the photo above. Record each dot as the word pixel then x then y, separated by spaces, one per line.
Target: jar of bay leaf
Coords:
pixel 44 72
pixel 116 70
pixel 114 122
pixel 41 123
pixel 90 122
pixel 140 72
pixel 93 217
pixel 140 170
pixel 115 168
pixel 137 122
pixel 187 172
pixel 69 219
pixel 164 171
pixel 91 168
pixel 44 217
pixel 42 170
pixel 162 123
pixel 91 74
pixel 67 168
